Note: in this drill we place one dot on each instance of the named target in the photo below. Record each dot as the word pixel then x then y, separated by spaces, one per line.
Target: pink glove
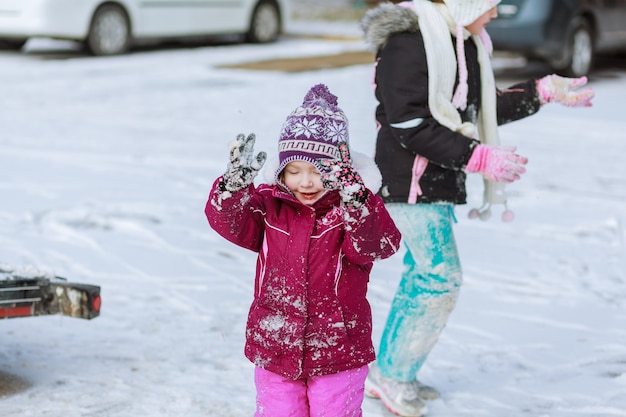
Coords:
pixel 497 163
pixel 554 88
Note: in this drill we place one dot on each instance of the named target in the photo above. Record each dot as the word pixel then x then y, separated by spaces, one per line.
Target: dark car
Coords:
pixel 567 34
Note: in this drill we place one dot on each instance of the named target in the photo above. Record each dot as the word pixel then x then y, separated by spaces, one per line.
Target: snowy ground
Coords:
pixel 105 167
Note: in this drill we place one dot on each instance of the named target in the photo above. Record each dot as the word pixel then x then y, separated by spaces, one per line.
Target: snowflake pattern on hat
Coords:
pixel 313 130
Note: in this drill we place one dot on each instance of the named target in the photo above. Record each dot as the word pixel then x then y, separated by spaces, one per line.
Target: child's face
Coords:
pixel 304 181
pixel 477 26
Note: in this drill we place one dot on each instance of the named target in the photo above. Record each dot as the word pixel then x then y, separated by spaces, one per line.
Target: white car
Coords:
pixel 108 27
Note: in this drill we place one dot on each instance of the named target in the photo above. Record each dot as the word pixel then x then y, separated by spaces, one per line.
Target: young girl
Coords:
pixel 438 115
pixel 317 229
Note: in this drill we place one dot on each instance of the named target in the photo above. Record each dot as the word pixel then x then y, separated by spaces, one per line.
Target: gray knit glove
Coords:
pixel 243 166
pixel 342 176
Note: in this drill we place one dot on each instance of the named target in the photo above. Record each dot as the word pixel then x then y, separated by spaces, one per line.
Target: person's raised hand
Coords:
pixel 243 165
pixel 342 176
pixel 556 89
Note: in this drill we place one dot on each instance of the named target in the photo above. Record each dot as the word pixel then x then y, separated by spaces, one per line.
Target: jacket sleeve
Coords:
pixel 236 216
pixel 370 232
pixel 402 87
pixel 517 102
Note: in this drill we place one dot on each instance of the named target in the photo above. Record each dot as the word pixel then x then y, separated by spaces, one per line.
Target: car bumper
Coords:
pixel 65 19
pixel 40 296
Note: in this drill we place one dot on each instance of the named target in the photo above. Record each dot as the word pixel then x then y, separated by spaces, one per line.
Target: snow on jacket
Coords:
pixel 310 315
pixel 428 154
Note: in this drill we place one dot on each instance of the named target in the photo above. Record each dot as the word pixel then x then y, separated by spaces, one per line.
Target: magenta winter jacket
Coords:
pixel 309 316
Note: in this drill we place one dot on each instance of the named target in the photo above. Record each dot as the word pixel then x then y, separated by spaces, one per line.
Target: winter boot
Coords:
pixel 399 397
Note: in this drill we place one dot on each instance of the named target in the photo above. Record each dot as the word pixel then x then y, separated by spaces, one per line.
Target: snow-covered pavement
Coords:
pixel 105 167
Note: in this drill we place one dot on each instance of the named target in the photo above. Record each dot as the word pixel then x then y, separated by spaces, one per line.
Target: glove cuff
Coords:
pixel 478 159
pixel 543 90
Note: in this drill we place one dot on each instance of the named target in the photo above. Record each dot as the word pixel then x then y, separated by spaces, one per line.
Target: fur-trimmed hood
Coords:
pixel 381 22
pixel 365 166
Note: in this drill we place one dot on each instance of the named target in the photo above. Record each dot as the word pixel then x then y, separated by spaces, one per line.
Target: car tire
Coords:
pixel 12 44
pixel 579 53
pixel 265 24
pixel 109 33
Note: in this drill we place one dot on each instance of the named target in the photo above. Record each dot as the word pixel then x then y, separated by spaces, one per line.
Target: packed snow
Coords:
pixel 106 167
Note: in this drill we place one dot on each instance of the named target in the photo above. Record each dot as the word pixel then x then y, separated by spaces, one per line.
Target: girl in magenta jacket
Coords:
pixel 318 229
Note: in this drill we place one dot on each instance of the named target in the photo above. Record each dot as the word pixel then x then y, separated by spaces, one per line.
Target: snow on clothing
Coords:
pixel 415 153
pixel 310 316
pixel 428 289
pixel 421 162
pixel 333 395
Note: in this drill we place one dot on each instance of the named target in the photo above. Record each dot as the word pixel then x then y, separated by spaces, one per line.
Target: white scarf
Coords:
pixel 436 25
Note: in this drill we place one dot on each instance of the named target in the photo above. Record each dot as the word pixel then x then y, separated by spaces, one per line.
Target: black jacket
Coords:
pixel 401 88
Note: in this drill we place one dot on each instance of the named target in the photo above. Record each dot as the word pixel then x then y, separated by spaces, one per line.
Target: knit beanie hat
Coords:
pixel 313 130
pixel 464 13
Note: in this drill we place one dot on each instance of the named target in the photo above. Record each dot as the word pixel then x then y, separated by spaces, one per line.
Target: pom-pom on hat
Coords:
pixel 313 130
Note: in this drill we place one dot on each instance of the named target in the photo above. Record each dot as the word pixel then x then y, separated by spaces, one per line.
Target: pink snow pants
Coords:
pixel 334 395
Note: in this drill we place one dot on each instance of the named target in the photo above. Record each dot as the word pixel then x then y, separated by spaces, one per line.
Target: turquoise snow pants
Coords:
pixel 428 288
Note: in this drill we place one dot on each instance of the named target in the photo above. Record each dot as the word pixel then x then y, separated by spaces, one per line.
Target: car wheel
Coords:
pixel 578 57
pixel 109 33
pixel 265 25
pixel 12 44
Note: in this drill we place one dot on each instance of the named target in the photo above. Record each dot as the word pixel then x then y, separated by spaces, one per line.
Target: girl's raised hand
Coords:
pixel 243 166
pixel 342 176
